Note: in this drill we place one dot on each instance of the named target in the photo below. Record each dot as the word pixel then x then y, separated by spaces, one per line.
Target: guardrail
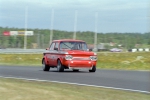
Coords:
pixel 25 51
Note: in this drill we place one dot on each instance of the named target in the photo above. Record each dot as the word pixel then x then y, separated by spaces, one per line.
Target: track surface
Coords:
pixel 134 80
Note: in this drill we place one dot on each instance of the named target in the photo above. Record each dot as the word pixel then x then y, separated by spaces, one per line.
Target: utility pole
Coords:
pixel 25 33
pixel 51 31
pixel 38 39
pixel 95 37
pixel 42 40
pixel 75 24
pixel 125 43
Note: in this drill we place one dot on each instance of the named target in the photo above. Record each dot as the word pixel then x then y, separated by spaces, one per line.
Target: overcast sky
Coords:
pixel 113 15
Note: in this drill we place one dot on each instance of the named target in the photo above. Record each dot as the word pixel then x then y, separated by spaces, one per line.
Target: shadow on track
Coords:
pixel 65 71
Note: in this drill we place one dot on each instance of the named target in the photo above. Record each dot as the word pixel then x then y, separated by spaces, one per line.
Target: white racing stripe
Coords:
pixel 77 84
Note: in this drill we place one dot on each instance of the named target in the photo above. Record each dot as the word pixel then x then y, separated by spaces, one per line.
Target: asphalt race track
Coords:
pixel 125 80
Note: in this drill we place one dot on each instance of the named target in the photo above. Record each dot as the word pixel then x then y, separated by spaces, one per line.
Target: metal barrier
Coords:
pixel 20 51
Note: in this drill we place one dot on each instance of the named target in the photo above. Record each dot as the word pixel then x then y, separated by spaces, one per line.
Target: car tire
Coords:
pixel 44 66
pixel 60 67
pixel 93 69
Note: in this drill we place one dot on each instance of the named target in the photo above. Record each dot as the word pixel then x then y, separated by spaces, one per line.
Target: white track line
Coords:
pixel 77 84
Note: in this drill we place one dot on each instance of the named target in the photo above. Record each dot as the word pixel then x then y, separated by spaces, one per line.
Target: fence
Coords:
pixel 140 50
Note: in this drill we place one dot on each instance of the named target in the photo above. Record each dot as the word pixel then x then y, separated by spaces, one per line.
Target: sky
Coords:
pixel 77 15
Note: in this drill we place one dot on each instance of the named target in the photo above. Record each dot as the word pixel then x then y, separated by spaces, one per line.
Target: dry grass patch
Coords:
pixel 12 89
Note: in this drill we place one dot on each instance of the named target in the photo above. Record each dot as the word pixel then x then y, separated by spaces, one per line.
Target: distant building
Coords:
pixel 90 46
pixel 102 46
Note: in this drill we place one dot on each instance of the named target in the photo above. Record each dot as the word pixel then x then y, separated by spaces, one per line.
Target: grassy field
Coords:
pixel 107 60
pixel 126 61
pixel 13 89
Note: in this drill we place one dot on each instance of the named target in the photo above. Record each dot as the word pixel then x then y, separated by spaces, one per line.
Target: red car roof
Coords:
pixel 68 40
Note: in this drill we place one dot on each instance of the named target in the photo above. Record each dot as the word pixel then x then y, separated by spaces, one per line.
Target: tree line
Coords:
pixel 41 38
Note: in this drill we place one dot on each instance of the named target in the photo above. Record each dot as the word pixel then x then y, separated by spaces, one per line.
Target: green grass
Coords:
pixel 125 61
pixel 107 60
pixel 20 59
pixel 13 89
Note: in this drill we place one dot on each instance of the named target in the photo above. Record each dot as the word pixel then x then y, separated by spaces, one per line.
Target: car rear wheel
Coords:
pixel 93 69
pixel 44 66
pixel 60 67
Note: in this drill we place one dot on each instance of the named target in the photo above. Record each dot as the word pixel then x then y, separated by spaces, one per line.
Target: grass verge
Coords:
pixel 14 89
pixel 107 60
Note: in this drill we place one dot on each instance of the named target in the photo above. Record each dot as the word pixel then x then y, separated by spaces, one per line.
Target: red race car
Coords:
pixel 69 54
